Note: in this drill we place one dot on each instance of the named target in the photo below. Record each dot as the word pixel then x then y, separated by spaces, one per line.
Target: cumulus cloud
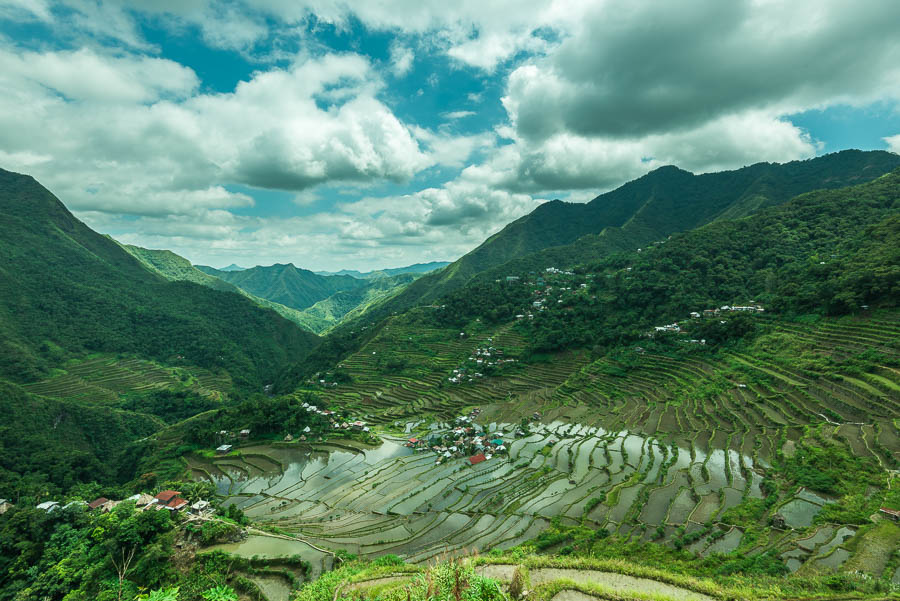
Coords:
pixel 594 94
pixel 131 134
pixel 893 143
pixel 647 67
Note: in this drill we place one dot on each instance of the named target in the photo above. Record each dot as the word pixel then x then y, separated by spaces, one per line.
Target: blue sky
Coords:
pixel 367 135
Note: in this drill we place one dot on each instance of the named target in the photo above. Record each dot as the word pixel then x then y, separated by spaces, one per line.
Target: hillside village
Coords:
pixel 465 439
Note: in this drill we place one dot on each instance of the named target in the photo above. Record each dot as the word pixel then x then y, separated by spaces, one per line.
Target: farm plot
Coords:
pixel 107 378
pixel 391 500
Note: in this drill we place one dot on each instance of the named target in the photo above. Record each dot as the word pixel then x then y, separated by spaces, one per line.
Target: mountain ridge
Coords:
pixel 638 213
pixel 67 290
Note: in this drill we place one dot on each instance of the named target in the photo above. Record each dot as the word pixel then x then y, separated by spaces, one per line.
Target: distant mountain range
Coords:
pixel 650 208
pixel 378 273
pixel 316 302
pixel 177 268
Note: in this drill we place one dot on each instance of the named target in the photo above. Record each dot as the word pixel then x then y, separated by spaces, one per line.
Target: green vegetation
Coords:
pixel 287 285
pixel 741 455
pixel 661 203
pixel 66 291
pixel 175 268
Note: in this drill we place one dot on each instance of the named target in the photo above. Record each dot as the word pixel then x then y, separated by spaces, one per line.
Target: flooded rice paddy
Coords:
pixel 392 500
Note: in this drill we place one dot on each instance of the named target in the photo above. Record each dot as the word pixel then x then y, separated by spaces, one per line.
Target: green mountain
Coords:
pixel 829 252
pixel 315 302
pixel 415 268
pixel 176 268
pixel 66 291
pixel 348 304
pixel 285 284
pixel 665 201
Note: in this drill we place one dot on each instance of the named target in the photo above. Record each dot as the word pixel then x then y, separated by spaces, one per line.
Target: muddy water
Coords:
pixel 270 548
pixel 274 588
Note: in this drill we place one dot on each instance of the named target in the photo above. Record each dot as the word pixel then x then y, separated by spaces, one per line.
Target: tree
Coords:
pixel 122 566
pixel 220 593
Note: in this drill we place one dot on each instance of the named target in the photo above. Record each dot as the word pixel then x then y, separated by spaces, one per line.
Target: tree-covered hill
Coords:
pixel 347 304
pixel 66 290
pixel 830 251
pixel 665 201
pixel 316 302
pixel 176 268
pixel 287 285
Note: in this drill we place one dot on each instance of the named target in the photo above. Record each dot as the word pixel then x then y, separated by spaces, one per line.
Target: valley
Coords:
pixel 708 414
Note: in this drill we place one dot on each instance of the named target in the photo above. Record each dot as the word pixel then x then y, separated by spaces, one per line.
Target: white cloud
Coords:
pixel 893 143
pixel 650 67
pixel 402 58
pixel 85 75
pixel 131 134
pixel 458 114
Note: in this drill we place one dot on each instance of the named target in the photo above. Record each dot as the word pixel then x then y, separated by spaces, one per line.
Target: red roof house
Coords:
pixel 892 514
pixel 165 496
pixel 476 459
pixel 176 504
pixel 97 503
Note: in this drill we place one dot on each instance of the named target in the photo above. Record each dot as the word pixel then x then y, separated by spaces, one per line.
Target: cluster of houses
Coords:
pixel 486 358
pixel 224 438
pixel 169 500
pixel 674 327
pixel 467 440
pixel 751 308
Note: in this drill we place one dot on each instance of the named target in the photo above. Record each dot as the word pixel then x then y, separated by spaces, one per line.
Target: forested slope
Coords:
pixel 66 290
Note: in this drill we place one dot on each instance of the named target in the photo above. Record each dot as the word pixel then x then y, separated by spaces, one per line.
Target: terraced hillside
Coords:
pixel 647 446
pixel 403 371
pixel 105 379
pixel 840 375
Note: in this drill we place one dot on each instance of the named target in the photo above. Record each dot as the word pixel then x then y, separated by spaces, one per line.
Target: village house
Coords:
pixel 223 449
pixel 165 496
pixel 891 514
pixel 5 506
pixel 245 433
pixel 97 503
pixel 48 506
pixel 176 504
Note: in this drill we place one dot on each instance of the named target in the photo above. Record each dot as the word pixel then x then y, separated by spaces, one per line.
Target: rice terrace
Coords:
pixel 644 447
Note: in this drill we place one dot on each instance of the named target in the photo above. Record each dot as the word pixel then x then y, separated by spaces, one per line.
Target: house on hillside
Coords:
pixel 223 449
pixel 97 503
pixel 5 506
pixel 476 459
pixel 165 496
pixel 48 506
pixel 891 514
pixel 245 433
pixel 176 504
